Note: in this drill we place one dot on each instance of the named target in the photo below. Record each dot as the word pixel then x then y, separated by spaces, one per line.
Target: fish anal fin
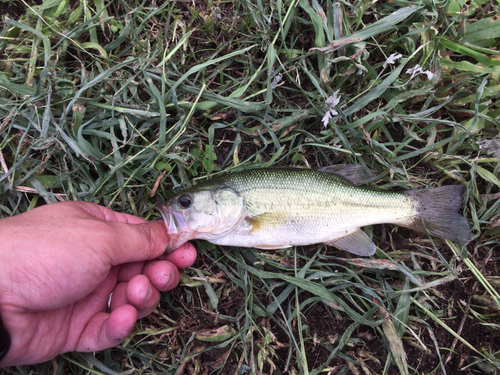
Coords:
pixel 268 219
pixel 355 174
pixel 356 242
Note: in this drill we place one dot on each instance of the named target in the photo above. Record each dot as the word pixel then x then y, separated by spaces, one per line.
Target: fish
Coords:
pixel 276 208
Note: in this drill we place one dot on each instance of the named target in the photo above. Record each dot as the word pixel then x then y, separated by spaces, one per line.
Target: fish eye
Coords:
pixel 185 201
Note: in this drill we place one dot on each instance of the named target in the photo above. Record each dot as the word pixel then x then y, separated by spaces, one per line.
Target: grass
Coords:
pixel 121 103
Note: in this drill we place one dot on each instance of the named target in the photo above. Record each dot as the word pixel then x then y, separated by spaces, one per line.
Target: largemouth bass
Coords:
pixel 276 208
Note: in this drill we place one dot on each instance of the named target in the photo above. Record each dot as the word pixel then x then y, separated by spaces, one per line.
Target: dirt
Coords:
pixel 13 10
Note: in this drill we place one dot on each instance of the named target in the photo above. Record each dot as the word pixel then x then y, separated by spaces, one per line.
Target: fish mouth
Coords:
pixel 176 227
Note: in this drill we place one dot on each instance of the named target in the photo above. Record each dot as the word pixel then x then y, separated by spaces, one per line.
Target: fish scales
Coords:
pixel 277 208
pixel 317 203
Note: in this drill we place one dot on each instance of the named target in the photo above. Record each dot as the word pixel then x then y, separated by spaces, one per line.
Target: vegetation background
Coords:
pixel 123 102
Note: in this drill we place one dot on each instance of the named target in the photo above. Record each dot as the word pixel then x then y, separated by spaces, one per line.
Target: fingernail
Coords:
pixel 169 277
pixel 150 293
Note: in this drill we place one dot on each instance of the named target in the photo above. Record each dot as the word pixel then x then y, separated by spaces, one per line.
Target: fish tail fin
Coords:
pixel 438 213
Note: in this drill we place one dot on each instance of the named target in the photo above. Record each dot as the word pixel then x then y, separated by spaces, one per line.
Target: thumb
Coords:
pixel 138 242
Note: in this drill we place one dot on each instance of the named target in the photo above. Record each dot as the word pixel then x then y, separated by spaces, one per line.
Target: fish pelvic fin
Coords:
pixel 438 213
pixel 356 242
pixel 271 247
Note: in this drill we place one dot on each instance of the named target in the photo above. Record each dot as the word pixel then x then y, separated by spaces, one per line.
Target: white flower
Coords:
pixel 331 102
pixel 429 74
pixel 414 71
pixel 277 79
pixel 392 59
pixel 417 69
pixel 327 116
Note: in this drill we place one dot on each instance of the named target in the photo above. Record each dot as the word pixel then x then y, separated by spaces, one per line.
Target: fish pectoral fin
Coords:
pixel 268 219
pixel 271 247
pixel 356 242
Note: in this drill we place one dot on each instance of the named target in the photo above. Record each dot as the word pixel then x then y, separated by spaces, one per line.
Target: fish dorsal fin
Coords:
pixel 356 242
pixel 273 219
pixel 355 174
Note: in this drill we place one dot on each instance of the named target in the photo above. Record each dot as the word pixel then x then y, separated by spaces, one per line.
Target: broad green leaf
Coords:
pixel 483 30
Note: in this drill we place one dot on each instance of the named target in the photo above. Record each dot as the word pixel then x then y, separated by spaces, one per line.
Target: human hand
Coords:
pixel 59 265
